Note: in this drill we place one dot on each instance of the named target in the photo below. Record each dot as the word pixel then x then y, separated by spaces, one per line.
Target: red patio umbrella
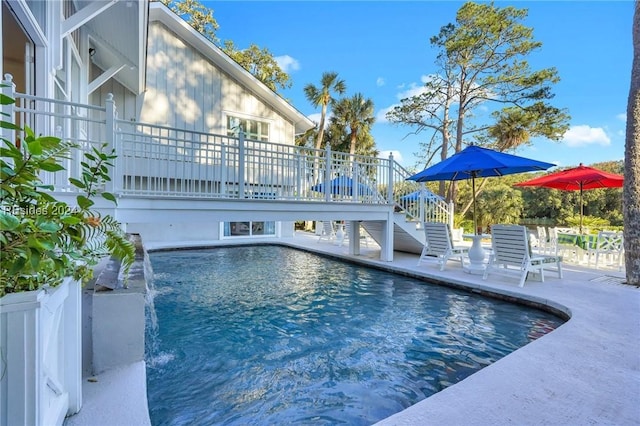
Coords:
pixel 577 179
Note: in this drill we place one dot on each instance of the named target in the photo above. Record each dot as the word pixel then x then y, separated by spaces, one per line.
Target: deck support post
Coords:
pixel 354 238
pixel 386 251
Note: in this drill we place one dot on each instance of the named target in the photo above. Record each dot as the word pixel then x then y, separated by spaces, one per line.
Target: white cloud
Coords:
pixel 381 115
pixel 396 155
pixel 622 117
pixel 584 135
pixel 380 82
pixel 287 63
pixel 406 91
pixel 413 89
pixel 315 117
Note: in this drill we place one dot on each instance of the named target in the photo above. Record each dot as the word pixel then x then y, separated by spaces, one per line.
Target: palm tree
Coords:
pixel 357 114
pixel 337 135
pixel 631 190
pixel 321 96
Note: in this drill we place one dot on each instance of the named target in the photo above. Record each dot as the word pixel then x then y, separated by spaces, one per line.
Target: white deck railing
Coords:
pixel 421 209
pixel 158 161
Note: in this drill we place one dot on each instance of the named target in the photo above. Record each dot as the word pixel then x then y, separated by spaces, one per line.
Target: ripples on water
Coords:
pixel 271 335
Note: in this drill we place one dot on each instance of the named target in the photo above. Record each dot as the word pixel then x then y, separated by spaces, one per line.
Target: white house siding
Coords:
pixel 186 90
pixel 125 101
pixel 175 231
pixel 238 101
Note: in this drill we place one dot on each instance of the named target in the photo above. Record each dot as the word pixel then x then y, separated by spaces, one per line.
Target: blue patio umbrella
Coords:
pixel 342 185
pixel 475 161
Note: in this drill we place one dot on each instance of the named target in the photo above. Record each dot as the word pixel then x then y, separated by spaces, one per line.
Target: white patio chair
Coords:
pixel 534 242
pixel 559 249
pixel 328 232
pixel 542 239
pixel 438 245
pixel 346 232
pixel 552 241
pixel 610 244
pixel 512 254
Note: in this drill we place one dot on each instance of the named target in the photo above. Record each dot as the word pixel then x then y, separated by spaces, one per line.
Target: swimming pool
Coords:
pixel 273 335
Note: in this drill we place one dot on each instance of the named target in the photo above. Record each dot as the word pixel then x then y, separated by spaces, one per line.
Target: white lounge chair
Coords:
pixel 512 253
pixel 438 245
pixel 328 232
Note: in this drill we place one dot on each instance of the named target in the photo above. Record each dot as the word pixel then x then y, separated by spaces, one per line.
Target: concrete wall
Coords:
pixel 192 231
pixel 198 231
pixel 118 317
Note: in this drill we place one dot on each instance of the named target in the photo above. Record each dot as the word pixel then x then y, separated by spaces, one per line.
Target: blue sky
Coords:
pixel 382 49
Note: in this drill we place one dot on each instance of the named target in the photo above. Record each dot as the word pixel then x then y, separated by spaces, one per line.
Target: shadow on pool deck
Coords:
pixel 585 372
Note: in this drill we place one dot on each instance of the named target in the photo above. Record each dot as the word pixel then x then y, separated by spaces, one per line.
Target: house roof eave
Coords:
pixel 159 12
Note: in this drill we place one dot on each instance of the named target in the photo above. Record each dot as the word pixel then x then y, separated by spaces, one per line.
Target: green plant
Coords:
pixel 467 226
pixel 42 239
pixel 458 220
pixel 594 224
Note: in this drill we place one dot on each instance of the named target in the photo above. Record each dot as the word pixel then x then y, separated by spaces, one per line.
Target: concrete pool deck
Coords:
pixel 587 371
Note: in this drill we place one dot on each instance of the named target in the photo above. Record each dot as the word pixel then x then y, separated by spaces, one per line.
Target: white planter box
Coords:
pixel 40 355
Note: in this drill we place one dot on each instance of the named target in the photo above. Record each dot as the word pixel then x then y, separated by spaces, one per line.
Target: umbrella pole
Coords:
pixel 473 192
pixel 581 209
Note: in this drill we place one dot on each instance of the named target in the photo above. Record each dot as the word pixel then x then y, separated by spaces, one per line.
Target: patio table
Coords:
pixel 584 242
pixel 476 253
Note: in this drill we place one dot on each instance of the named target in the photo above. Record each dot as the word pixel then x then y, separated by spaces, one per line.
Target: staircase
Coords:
pixel 406 237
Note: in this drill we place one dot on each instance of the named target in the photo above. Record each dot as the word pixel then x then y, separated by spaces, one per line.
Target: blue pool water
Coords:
pixel 266 335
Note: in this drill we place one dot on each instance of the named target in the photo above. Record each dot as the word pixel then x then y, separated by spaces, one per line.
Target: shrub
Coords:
pixel 43 240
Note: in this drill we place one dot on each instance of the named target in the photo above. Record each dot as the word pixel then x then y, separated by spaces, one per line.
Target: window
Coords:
pixel 246 229
pixel 256 130
pixel 39 10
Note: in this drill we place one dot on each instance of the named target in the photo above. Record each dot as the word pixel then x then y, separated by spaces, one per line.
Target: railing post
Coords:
pixel 298 175
pixel 117 183
pixel 241 164
pixel 110 135
pixel 74 134
pixel 390 185
pixel 9 110
pixel 327 174
pixel 223 170
pixel 451 214
pixel 355 182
